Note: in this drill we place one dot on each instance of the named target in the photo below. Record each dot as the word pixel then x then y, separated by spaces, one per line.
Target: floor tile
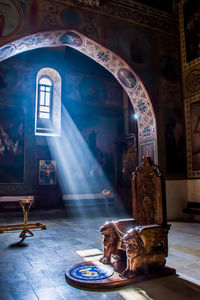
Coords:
pixel 35 269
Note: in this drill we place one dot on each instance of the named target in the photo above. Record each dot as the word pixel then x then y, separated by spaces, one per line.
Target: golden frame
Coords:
pixel 189 136
pixel 185 64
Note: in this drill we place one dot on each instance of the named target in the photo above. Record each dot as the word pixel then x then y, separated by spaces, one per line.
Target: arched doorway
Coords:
pixel 147 133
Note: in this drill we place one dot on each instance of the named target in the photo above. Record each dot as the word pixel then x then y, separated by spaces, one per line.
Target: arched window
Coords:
pixel 48 103
pixel 45 98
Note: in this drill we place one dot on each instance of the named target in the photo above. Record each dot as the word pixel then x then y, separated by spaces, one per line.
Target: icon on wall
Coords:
pixel 47 172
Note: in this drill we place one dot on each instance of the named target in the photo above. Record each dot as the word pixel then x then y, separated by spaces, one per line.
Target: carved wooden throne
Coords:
pixel 139 245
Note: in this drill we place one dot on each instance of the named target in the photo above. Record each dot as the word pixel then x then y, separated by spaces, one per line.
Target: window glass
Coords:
pixel 45 81
pixel 48 103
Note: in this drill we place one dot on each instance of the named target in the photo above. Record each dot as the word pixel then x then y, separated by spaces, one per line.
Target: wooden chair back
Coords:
pixel 148 194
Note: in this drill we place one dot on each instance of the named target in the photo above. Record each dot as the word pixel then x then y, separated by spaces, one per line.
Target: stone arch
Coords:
pixel 147 133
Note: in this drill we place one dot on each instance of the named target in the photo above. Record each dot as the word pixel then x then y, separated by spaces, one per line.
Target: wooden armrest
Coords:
pixel 125 224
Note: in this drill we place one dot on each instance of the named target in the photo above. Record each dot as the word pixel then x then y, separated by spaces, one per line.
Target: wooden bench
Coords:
pixel 88 200
pixel 12 202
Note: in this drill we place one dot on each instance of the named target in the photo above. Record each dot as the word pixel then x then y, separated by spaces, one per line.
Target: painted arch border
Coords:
pixel 147 133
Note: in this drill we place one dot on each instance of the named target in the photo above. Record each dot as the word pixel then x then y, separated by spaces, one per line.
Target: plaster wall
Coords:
pixel 178 193
pixel 193 190
pixel 176 198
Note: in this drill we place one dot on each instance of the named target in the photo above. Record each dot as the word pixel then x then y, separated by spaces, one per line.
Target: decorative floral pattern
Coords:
pixel 117 66
pixel 142 106
pixel 103 56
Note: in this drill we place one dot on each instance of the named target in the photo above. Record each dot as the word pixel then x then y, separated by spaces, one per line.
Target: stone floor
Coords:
pixel 35 269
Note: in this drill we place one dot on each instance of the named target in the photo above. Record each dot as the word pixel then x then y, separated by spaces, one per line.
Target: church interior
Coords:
pixel 89 89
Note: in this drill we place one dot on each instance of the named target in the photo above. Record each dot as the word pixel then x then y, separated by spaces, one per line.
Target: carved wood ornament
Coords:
pixel 141 243
pixel 148 194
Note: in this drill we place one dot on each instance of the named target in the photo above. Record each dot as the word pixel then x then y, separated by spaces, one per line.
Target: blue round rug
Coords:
pixel 91 272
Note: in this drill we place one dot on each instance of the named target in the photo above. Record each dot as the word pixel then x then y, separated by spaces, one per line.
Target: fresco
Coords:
pixel 33 13
pixel 8 77
pixel 47 172
pixel 191 12
pixel 11 144
pixel 91 26
pixel 54 16
pixel 100 133
pixel 126 155
pixel 195 131
pixel 71 39
pixel 169 68
pixel 3 79
pixel 135 45
pixel 50 14
pixel 96 165
pixel 189 16
pixel 174 138
pixel 69 17
pixel 117 66
pixel 92 90
pixel 95 90
pixel 192 108
pixel 8 25
pixel 127 78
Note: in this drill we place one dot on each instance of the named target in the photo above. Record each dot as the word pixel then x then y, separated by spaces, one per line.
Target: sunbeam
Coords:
pixel 77 169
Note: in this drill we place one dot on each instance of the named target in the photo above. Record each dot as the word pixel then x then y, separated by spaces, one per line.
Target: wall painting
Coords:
pixel 189 11
pixel 10 25
pixel 192 108
pixel 47 172
pixel 11 144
